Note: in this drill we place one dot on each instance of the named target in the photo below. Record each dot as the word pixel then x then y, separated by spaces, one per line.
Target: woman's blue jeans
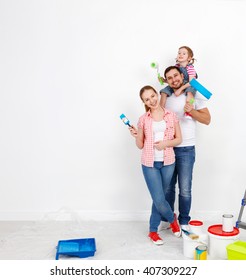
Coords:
pixel 158 178
pixel 185 159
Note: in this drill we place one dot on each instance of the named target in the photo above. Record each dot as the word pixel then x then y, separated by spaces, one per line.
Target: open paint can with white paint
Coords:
pixel 227 223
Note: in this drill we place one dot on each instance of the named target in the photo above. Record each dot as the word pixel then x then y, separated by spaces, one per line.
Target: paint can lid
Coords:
pixel 217 230
pixel 195 223
pixel 201 248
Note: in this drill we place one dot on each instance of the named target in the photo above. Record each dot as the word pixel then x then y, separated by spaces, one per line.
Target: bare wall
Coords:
pixel 68 70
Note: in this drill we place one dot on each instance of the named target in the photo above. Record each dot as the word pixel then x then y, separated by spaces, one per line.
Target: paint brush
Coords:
pixel 190 234
pixel 125 120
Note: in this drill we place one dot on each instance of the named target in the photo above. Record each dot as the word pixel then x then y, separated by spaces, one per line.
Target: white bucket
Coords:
pixel 189 245
pixel 218 240
pixel 196 226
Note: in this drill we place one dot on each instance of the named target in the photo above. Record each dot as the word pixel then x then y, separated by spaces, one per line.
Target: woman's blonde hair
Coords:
pixel 142 90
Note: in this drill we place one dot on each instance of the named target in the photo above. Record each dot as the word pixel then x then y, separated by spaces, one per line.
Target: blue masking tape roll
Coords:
pixel 196 85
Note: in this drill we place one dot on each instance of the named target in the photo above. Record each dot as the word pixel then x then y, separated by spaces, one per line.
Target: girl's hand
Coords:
pixel 159 145
pixel 133 131
pixel 162 80
pixel 178 92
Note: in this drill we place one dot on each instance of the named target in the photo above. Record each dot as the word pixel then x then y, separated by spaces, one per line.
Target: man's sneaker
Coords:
pixel 164 226
pixel 175 227
pixel 188 115
pixel 155 238
pixel 185 227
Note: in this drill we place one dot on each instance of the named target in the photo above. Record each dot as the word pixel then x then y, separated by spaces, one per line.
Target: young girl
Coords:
pixel 185 60
pixel 157 133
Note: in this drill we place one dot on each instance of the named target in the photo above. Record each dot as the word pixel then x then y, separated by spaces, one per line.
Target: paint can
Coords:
pixel 218 240
pixel 189 245
pixel 201 252
pixel 227 223
pixel 196 226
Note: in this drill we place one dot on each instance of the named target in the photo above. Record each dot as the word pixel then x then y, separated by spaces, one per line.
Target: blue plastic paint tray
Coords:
pixel 81 248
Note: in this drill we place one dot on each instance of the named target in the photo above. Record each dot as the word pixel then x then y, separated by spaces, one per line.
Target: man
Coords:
pixel 185 152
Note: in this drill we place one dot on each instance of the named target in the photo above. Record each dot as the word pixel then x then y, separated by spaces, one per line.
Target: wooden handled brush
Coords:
pixel 191 235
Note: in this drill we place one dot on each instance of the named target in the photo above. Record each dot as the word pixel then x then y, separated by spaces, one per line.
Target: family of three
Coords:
pixel 167 140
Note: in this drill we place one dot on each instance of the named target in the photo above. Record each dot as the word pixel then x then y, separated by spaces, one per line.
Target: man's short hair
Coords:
pixel 171 68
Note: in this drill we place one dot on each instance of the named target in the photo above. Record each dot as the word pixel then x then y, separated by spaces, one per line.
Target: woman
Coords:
pixel 158 132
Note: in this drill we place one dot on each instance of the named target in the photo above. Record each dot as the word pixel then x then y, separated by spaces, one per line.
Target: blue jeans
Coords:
pixel 169 91
pixel 185 159
pixel 158 179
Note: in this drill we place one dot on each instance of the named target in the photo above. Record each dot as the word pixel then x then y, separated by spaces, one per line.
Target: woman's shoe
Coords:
pixel 155 238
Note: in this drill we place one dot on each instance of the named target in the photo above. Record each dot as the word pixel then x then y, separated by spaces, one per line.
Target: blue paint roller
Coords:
pixel 125 120
pixel 197 86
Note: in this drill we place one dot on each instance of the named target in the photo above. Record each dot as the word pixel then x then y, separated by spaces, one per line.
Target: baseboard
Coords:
pixel 65 214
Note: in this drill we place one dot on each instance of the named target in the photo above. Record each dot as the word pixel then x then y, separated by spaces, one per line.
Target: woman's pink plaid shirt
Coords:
pixel 145 123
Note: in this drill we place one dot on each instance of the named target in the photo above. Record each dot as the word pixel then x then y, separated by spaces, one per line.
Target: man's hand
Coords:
pixel 188 107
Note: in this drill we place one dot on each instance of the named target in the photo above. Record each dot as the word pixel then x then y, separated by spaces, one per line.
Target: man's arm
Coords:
pixel 201 115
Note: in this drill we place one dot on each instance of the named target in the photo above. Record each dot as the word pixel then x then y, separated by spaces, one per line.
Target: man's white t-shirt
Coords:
pixel 188 125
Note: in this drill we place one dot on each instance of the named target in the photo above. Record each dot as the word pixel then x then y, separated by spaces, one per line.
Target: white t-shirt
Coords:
pixel 188 126
pixel 158 131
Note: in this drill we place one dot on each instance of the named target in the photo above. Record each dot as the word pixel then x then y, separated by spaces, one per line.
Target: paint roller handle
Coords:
pixel 161 79
pixel 155 65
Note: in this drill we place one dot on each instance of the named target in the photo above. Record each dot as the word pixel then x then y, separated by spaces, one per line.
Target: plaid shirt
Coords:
pixel 145 123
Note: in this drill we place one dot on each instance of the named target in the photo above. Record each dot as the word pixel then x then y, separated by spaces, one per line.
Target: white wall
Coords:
pixel 68 70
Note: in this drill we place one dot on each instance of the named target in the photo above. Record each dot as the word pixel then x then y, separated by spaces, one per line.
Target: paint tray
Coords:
pixel 236 250
pixel 82 248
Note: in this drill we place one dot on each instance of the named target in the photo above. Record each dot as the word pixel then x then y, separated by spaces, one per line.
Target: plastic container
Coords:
pixel 81 248
pixel 219 239
pixel 236 250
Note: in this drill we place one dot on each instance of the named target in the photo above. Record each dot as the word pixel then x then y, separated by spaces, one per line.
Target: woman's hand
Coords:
pixel 133 131
pixel 159 145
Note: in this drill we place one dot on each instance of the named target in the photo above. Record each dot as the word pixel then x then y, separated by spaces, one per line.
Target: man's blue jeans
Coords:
pixel 185 159
pixel 158 178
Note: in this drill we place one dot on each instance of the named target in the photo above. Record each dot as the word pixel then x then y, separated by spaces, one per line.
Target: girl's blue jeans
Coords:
pixel 158 178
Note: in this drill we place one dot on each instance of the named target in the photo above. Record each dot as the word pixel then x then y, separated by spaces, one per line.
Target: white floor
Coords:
pixel 114 240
